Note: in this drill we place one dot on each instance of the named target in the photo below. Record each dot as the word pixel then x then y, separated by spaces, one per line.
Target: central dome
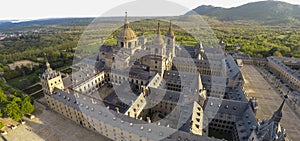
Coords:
pixel 126 34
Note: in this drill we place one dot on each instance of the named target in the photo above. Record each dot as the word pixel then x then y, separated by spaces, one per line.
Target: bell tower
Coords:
pixel 170 42
pixel 51 79
pixel 159 47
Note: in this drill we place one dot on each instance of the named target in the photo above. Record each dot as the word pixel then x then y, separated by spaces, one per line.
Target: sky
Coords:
pixel 41 9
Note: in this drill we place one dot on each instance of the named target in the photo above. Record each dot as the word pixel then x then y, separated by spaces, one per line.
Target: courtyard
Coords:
pixel 269 100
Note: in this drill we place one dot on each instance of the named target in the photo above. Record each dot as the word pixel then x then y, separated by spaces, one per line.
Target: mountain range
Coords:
pixel 264 12
pixel 268 12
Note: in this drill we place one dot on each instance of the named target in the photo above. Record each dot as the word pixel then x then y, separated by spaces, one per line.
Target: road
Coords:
pixel 269 101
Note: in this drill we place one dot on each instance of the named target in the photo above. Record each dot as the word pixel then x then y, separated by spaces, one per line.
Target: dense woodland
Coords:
pixel 59 39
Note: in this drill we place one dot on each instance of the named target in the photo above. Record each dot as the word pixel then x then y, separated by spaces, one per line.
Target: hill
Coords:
pixel 13 26
pixel 263 12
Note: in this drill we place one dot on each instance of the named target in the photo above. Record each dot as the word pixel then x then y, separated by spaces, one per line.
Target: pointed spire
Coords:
pixel 278 114
pixel 158 29
pixel 126 17
pixel 170 26
pixel 201 45
pixel 158 39
pixel 47 62
pixel 126 24
pixel 170 32
pixel 221 41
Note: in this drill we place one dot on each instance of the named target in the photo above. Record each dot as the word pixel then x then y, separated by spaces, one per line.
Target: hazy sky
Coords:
pixel 38 9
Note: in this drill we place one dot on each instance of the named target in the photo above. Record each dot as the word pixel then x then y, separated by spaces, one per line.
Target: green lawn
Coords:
pixel 24 81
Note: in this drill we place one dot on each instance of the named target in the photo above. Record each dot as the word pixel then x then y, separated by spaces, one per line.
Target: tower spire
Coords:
pixel 158 29
pixel 170 32
pixel 158 39
pixel 47 62
pixel 278 113
pixel 201 45
pixel 126 24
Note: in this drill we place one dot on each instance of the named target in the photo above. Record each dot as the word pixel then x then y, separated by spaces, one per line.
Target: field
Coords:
pixel 21 63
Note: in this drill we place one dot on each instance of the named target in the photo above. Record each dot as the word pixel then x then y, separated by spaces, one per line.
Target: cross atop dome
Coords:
pixel 126 20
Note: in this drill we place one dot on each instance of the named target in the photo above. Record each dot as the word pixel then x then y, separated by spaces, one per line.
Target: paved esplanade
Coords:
pixel 269 101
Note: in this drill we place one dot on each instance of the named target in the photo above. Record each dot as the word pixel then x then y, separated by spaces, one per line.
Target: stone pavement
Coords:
pixel 269 101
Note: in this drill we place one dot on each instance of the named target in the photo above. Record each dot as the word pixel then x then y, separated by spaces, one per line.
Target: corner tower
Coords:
pixel 51 79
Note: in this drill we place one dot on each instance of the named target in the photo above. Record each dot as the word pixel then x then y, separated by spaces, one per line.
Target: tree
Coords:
pixel 13 110
pixel 277 53
pixel 1 125
pixel 26 106
pixel 3 97
pixel 15 99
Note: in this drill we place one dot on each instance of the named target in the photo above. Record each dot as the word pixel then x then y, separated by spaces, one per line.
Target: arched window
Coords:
pixel 129 44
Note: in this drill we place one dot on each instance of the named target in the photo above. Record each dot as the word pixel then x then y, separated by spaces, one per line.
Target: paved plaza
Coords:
pixel 51 126
pixel 269 101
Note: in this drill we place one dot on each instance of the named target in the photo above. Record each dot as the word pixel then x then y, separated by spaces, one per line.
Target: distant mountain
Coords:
pixel 23 25
pixel 4 21
pixel 264 12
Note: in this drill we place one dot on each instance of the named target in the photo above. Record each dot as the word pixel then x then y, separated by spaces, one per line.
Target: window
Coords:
pixel 156 51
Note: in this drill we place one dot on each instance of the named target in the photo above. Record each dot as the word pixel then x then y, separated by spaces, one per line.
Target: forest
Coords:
pixel 59 40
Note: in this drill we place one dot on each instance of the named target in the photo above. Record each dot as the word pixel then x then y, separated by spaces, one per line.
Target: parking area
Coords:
pixel 269 100
pixel 51 126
